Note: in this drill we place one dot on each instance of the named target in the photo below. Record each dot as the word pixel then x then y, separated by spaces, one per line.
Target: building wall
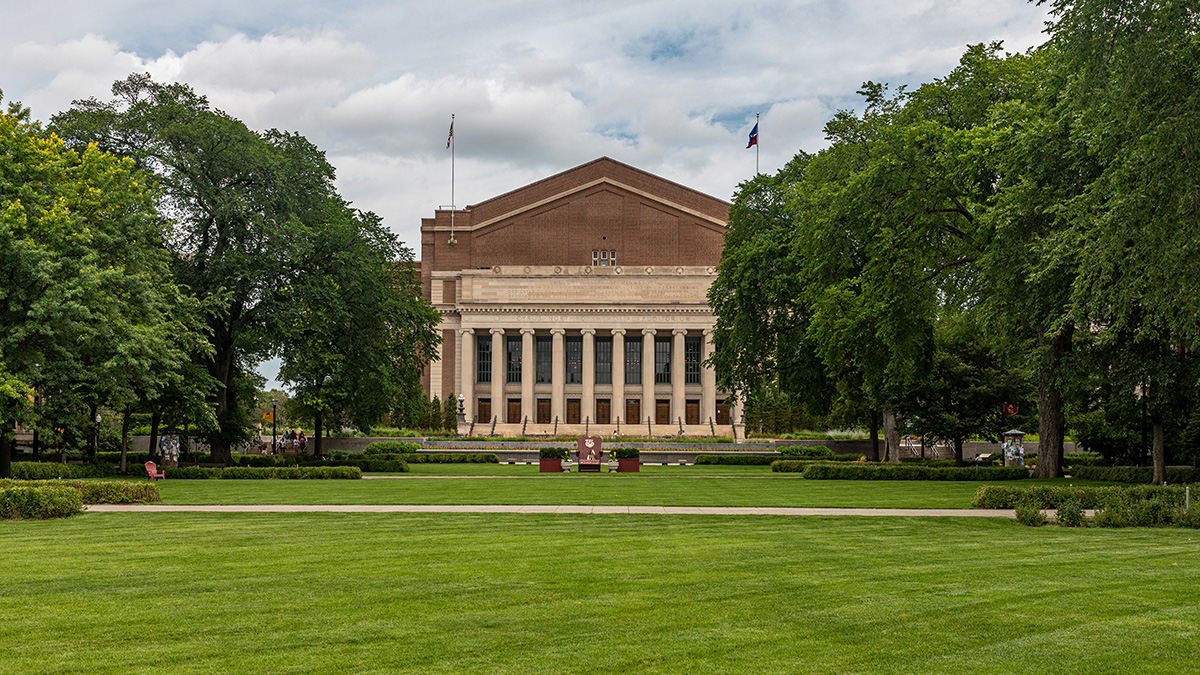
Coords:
pixel 522 263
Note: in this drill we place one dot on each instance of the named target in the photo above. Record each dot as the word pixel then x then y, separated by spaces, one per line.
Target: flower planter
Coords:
pixel 631 465
pixel 550 466
pixel 612 467
pixel 566 466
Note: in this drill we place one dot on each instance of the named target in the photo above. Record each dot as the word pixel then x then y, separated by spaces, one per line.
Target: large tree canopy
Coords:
pixel 245 211
pixel 89 314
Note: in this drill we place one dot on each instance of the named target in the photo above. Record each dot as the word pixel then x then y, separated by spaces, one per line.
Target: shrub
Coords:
pixel 1188 518
pixel 264 473
pixel 553 453
pixel 1146 513
pixel 39 501
pixel 1054 496
pixel 625 453
pixel 55 470
pixel 1136 474
pixel 806 452
pixel 449 458
pixel 754 460
pixel 1070 513
pixel 843 471
pixel 1030 513
pixel 391 447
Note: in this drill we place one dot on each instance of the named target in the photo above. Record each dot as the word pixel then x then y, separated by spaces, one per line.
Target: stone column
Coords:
pixel 528 374
pixel 467 380
pixel 648 374
pixel 708 382
pixel 499 405
pixel 588 403
pixel 558 377
pixel 677 375
pixel 618 376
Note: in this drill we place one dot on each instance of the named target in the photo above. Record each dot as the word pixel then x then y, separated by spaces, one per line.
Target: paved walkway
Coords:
pixel 483 508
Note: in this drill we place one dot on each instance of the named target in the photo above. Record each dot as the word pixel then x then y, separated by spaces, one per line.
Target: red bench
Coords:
pixel 152 469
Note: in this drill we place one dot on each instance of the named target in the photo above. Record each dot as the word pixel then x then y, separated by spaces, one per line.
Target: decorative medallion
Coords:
pixel 618 270
pixel 558 270
pixel 528 269
pixel 711 270
pixel 587 270
pixel 678 270
pixel 496 269
pixel 649 270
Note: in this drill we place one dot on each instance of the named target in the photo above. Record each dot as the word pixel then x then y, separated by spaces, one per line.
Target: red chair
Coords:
pixel 152 469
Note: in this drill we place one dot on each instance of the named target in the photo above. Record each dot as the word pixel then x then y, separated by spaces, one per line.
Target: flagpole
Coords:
pixel 452 206
pixel 756 146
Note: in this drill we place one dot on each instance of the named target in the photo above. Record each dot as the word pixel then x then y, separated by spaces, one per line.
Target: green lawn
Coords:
pixel 675 486
pixel 504 593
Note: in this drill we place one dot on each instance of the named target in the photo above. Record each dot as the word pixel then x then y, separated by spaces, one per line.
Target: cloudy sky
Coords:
pixel 538 86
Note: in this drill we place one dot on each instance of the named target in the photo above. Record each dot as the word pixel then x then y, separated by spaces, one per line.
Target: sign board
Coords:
pixel 589 449
pixel 268 416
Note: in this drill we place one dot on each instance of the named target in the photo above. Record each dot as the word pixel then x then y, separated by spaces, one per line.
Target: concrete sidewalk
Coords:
pixel 483 508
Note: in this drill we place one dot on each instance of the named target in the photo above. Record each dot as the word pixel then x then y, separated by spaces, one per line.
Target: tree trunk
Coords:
pixel 891 434
pixel 874 424
pixel 1158 450
pixel 317 435
pixel 7 441
pixel 958 457
pixel 125 436
pixel 155 417
pixel 94 445
pixel 223 371
pixel 1051 420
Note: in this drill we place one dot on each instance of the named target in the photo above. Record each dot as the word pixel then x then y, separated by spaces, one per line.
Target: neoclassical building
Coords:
pixel 579 303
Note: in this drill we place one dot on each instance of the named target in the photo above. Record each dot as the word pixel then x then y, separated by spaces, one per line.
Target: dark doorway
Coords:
pixel 514 410
pixel 691 413
pixel 573 411
pixel 633 411
pixel 543 411
pixel 603 411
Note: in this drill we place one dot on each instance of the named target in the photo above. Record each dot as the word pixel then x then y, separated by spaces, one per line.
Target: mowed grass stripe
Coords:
pixel 484 593
pixel 597 490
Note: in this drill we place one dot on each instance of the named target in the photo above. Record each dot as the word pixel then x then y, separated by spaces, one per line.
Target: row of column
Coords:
pixel 708 378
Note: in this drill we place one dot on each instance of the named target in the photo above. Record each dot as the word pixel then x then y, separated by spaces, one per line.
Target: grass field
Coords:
pixel 499 593
pixel 675 486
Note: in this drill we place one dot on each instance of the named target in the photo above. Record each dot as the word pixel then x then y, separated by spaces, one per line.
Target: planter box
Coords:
pixel 549 466
pixel 632 465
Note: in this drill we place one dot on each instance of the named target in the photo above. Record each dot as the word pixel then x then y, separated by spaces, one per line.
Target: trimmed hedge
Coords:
pixel 55 470
pixel 1052 496
pixel 450 458
pixel 752 460
pixel 39 501
pixel 625 453
pixel 367 464
pixel 554 453
pixel 264 473
pixel 391 448
pixel 806 452
pixel 843 471
pixel 1135 474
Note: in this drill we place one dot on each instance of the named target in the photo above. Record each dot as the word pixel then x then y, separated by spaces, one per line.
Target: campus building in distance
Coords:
pixel 579 303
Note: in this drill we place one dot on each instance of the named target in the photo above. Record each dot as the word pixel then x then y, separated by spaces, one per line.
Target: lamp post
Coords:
pixel 274 437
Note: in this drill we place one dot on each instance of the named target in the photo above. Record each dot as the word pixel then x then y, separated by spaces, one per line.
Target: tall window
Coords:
pixel 603 258
pixel 691 359
pixel 603 360
pixel 633 360
pixel 483 361
pixel 514 359
pixel 545 358
pixel 574 359
pixel 662 360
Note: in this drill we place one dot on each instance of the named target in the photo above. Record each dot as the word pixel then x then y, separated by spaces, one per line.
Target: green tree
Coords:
pixel 353 330
pixel 1130 83
pixel 237 202
pixel 89 315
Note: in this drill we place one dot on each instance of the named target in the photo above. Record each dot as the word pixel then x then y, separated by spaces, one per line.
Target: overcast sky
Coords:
pixel 669 86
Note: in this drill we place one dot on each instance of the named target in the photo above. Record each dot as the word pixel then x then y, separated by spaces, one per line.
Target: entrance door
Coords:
pixel 692 413
pixel 633 410
pixel 485 411
pixel 722 412
pixel 662 412
pixel 543 411
pixel 514 410
pixel 573 411
pixel 603 411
